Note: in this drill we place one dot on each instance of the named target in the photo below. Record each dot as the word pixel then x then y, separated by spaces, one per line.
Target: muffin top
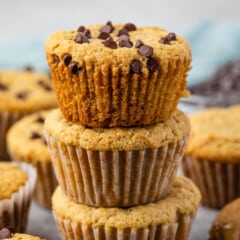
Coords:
pixel 183 199
pixel 120 139
pixel 121 45
pixel 215 135
pixel 26 91
pixel 6 234
pixel 227 221
pixel 25 138
pixel 11 179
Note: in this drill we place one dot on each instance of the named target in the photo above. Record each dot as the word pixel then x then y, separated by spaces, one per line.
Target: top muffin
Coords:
pixel 118 75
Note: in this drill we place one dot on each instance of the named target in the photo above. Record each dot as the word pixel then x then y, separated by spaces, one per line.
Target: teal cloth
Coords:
pixel 212 44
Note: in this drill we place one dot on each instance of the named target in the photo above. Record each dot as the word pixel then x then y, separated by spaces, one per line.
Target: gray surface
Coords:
pixel 41 223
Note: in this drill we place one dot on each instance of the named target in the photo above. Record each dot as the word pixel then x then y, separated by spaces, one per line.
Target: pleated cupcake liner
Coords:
pixel 46 180
pixel 108 96
pixel 115 178
pixel 7 119
pixel 225 232
pixel 14 211
pixel 219 183
pixel 178 230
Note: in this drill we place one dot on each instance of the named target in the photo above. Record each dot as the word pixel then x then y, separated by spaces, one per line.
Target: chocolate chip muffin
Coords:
pixel 212 158
pixel 6 234
pixel 167 219
pixel 226 225
pixel 22 93
pixel 118 75
pixel 26 143
pixel 17 182
pixel 120 167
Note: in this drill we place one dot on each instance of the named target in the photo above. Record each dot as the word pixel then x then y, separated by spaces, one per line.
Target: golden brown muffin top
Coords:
pixel 215 135
pixel 183 199
pixel 156 47
pixel 26 91
pixel 25 139
pixel 226 224
pixel 11 179
pixel 121 139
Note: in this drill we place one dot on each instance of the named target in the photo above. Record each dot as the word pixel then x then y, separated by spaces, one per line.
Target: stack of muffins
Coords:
pixel 118 139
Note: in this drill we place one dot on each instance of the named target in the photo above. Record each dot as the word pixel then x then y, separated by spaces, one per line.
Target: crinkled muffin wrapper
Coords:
pixel 108 96
pixel 7 119
pixel 224 232
pixel 14 211
pixel 46 180
pixel 179 230
pixel 115 178
pixel 219 183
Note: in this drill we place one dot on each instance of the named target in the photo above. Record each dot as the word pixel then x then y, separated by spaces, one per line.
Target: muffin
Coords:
pixel 17 183
pixel 116 166
pixel 22 93
pixel 212 158
pixel 26 143
pixel 118 75
pixel 226 225
pixel 169 218
pixel 6 234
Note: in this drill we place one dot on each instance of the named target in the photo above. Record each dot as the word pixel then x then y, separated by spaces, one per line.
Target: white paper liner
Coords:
pixel 179 230
pixel 14 211
pixel 115 179
pixel 219 183
pixel 7 119
pixel 46 181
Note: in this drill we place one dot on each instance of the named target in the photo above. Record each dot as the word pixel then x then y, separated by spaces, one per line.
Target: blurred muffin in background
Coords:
pixel 26 143
pixel 22 93
pixel 212 158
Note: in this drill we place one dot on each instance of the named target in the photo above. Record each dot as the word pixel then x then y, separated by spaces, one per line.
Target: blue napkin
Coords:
pixel 212 43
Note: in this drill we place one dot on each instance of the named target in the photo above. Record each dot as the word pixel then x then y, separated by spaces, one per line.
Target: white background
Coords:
pixel 29 18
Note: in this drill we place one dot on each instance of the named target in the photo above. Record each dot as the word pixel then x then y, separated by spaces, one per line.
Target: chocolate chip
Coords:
pixel 130 27
pixel 81 29
pixel 45 142
pixel 110 24
pixel 44 85
pixel 28 68
pixel 123 37
pixel 139 43
pixel 106 29
pixel 5 233
pixel 81 38
pixel 123 31
pixel 135 66
pixel 172 36
pixel 110 43
pixel 167 39
pixel 152 64
pixel 87 33
pixel 35 135
pixel 22 95
pixel 145 51
pixel 3 87
pixel 56 59
pixel 124 43
pixel 103 35
pixel 39 119
pixel 73 66
pixel 67 59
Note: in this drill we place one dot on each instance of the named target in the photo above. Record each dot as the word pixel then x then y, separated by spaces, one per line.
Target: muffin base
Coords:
pixel 46 180
pixel 178 230
pixel 219 183
pixel 14 211
pixel 7 119
pixel 115 179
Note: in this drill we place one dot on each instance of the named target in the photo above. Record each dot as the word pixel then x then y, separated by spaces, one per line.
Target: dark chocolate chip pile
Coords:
pixel 225 82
